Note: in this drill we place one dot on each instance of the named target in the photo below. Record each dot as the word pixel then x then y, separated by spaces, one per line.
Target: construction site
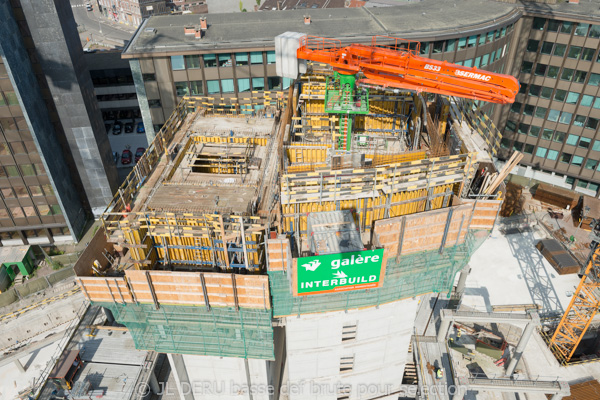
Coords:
pixel 297 243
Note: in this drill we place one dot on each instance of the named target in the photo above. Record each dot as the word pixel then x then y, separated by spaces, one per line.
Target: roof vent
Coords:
pixel 150 31
pixel 307 20
pixel 573 1
pixel 189 29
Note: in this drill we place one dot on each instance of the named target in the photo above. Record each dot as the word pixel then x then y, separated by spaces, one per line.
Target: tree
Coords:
pixel 241 6
pixel 258 3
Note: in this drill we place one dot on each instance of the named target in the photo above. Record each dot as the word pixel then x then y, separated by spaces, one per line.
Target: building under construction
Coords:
pixel 207 250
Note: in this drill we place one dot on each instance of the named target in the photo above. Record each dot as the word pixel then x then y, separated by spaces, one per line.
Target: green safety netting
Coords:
pixel 222 332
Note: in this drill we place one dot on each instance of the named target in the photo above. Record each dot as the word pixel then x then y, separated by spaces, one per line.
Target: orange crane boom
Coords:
pixel 398 65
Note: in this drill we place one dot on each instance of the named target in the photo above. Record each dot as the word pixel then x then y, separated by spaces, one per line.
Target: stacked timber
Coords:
pixel 556 196
pixel 558 257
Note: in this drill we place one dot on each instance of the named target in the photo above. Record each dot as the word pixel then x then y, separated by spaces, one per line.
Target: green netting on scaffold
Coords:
pixel 412 275
pixel 220 331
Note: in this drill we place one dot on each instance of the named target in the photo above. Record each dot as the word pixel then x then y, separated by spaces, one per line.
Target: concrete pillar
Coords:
pixel 19 365
pixel 510 369
pixel 153 383
pixel 444 326
pixel 462 279
pixel 181 376
pixel 109 315
pixel 557 396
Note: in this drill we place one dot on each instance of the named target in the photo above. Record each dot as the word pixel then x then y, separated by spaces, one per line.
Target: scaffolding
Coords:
pixel 217 331
pixel 409 276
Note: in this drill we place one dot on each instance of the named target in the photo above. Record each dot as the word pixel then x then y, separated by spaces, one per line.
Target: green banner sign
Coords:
pixel 338 272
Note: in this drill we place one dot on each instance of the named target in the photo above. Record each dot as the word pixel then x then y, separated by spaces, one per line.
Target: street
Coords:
pixel 97 28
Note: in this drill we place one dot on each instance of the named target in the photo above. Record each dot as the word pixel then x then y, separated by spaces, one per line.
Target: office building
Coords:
pixel 57 169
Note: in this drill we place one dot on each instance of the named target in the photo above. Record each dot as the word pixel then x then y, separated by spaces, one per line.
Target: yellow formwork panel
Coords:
pixel 259 141
pixel 306 154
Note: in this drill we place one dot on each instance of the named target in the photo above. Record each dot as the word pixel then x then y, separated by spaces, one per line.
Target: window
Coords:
pixel 565 158
pixel 225 60
pixel 546 92
pixel 595 31
pixel 570 180
pixel 529 109
pixel 523 128
pixel 528 149
pixel 271 57
pixel 485 59
pixel 597 102
pixel 450 45
pixel 559 49
pixel 498 54
pixel 579 76
pixel 594 79
pixel 552 72
pixel 534 131
pixel 518 146
pixel 241 59
pixel 532 45
pixel 572 98
pixel 287 82
pixel 11 98
pixel 584 143
pixel 547 134
pixel 538 24
pixel 574 52
pixel 577 160
pixel 493 56
pixel 503 32
pixel 541 152
pixel 462 43
pixel 210 60
pixel 567 74
pixel 591 164
pixel 256 57
pixel 469 62
pixel 591 123
pixel 534 90
pixel 438 46
pixel 511 126
pixel 177 63
pixel 478 62
pixel 572 139
pixel 547 47
pixel 596 146
pixel 347 364
pixel 560 95
pixel 552 155
pixel 424 48
pixel 196 88
pixel 553 115
pixel 243 85
pixel 182 88
pixel 154 104
pixel 559 137
pixel 516 107
pixel 566 27
pixel 588 54
pixel 274 82
pixel 505 143
pixel 212 87
pixel 227 86
pixel 579 120
pixel 587 100
pixel 490 36
pixel 148 77
pixel 192 62
pixel 582 29
pixel 523 88
pixel 565 118
pixel 553 25
pixel 349 331
pixel 472 41
pixel 540 112
pixel 258 84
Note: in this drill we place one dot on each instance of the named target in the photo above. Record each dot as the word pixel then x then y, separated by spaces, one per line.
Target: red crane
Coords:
pixel 397 64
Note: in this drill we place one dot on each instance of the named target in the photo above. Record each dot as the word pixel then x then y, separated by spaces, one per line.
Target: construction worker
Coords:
pixel 439 373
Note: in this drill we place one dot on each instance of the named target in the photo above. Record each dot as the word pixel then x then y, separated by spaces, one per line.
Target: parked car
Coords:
pixel 107 127
pixel 139 153
pixel 140 128
pixel 126 157
pixel 116 156
pixel 128 127
pixel 89 7
pixel 117 128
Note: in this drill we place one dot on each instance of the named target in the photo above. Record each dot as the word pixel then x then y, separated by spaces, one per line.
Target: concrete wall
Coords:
pixel 59 51
pixel 35 111
pixel 315 348
pixel 227 378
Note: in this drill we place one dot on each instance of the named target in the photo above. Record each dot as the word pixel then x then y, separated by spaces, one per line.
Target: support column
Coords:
pixel 444 326
pixel 109 315
pixel 19 365
pixel 462 280
pixel 535 320
pixel 153 383
pixel 181 377
pixel 557 396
